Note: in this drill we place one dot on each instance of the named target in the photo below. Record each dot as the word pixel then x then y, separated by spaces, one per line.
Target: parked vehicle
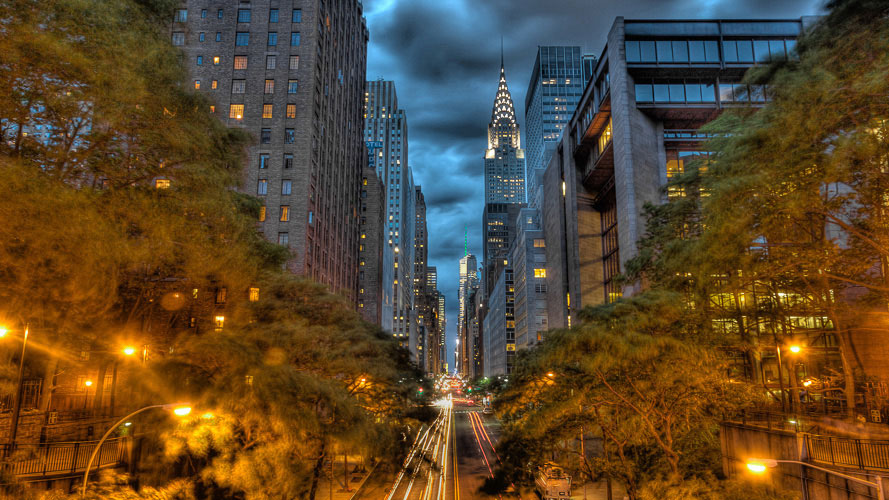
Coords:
pixel 552 482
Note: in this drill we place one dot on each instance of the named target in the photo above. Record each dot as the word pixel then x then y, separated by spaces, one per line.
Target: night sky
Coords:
pixel 444 56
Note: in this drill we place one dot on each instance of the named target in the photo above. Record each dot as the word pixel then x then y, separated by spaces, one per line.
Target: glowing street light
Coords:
pixel 795 349
pixel 88 383
pixel 759 466
pixel 180 409
pixel 3 331
pixel 129 350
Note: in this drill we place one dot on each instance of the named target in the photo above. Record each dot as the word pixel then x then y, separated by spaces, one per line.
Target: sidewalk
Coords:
pixel 335 490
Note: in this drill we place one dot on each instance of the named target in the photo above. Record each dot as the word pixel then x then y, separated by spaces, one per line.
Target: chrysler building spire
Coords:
pixel 503 129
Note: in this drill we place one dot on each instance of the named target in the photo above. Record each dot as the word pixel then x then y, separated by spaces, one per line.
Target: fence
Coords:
pixel 864 454
pixel 61 458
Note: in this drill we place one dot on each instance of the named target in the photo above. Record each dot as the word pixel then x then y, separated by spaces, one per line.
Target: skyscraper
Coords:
pixel 278 70
pixel 555 87
pixel 504 181
pixel 425 323
pixel 386 125
pixel 468 282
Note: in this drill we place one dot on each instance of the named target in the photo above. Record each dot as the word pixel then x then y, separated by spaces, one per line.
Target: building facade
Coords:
pixel 424 314
pixel 555 87
pixel 370 246
pixel 385 125
pixel 498 341
pixel 291 73
pixel 528 257
pixel 469 281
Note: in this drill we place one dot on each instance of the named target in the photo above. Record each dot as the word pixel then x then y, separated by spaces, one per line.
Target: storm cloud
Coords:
pixel 444 57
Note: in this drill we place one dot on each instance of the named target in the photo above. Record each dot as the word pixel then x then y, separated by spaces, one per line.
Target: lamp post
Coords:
pixel 17 403
pixel 180 409
pixel 759 466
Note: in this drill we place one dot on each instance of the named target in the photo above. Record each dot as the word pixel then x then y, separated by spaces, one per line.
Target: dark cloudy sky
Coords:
pixel 444 56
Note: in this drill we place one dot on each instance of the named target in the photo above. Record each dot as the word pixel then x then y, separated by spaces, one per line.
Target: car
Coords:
pixel 488 410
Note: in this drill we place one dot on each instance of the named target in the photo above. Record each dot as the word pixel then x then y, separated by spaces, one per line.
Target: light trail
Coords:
pixel 419 443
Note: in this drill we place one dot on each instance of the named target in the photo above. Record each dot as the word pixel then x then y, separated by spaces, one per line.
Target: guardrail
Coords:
pixel 60 458
pixel 864 454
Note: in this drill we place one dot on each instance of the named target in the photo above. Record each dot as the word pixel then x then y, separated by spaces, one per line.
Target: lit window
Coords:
pixel 240 62
pixel 539 243
pixel 294 62
pixel 285 213
pixel 162 183
pixel 216 60
pixel 214 84
pixel 540 273
pixel 212 108
pixel 236 111
pixel 269 86
pixel 197 85
pixel 220 322
pixel 262 214
pixel 266 110
pixel 291 111
pixel 253 294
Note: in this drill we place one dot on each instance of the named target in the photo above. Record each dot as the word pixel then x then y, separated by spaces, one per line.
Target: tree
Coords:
pixel 655 400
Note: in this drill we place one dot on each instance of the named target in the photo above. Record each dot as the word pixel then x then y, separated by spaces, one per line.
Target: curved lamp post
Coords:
pixel 759 465
pixel 180 409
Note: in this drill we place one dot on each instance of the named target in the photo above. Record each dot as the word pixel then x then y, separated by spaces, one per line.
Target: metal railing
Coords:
pixel 60 458
pixel 864 454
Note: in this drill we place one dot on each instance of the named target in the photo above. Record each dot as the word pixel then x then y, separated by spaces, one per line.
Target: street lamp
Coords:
pixel 180 409
pixel 17 404
pixel 759 466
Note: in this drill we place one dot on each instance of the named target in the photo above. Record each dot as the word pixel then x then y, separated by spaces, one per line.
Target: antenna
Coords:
pixel 501 51
pixel 465 241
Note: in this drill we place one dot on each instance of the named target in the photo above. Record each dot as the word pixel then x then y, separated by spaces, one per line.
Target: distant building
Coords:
pixel 468 282
pixel 422 307
pixel 499 326
pixel 279 71
pixel 528 257
pixel 553 92
pixel 386 124
pixel 370 247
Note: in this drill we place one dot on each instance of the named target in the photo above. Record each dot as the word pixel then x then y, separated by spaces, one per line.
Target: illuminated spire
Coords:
pixel 504 129
pixel 465 241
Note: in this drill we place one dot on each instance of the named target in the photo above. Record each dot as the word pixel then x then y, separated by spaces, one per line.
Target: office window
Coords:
pixel 219 14
pixel 218 36
pixel 644 93
pixel 201 36
pixel 297 16
pixel 288 160
pixel 178 38
pixel 285 213
pixel 289 136
pixel 253 294
pixel 266 110
pixel 236 111
pixel 539 243
pixel 693 92
pixel 265 136
pixel 294 39
pixel 270 62
pixel 311 217
pixel 294 62
pixel 283 239
pixel 214 84
pixel 291 111
pixel 203 13
pixel 680 50
pixel 242 38
pixel 262 189
pixel 264 160
pixel 664 51
pixel 292 86
pixel 262 213
pixel 181 15
pixel 216 60
pixel 162 183
pixel 243 15
pixel 540 273
pixel 632 51
pixel 273 39
pixel 761 50
pixel 239 86
pixel 200 60
pixel 273 15
pixel 212 108
pixel 270 86
pixel 286 186
pixel 240 62
pixel 197 85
